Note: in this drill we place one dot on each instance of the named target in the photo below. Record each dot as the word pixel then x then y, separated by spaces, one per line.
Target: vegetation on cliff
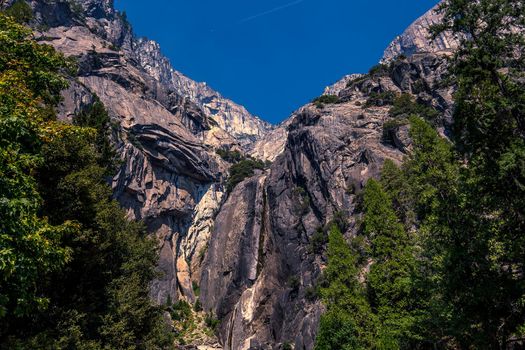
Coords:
pixel 444 268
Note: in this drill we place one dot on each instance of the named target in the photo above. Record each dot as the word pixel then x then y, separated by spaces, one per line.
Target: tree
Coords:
pixel 74 272
pixel 389 282
pixel 348 322
pixel 29 245
pixel 484 283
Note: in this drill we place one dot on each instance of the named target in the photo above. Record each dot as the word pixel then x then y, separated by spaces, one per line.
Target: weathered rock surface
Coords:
pixel 231 117
pixel 417 39
pixel 170 175
pixel 260 267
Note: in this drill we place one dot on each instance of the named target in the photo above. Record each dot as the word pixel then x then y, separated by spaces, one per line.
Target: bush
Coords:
pixel 211 322
pixel 311 293
pixel 230 156
pixel 318 241
pixel 390 127
pixel 20 11
pixel 379 99
pixel 326 99
pixel 287 346
pixel 357 80
pixel 405 105
pixel 379 70
pixel 196 288
pixel 242 170
pixel 198 306
pixel 180 311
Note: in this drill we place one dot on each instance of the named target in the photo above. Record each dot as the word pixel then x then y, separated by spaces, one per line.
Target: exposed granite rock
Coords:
pixel 271 145
pixel 329 154
pixel 417 39
pixel 231 117
pixel 169 177
pixel 340 85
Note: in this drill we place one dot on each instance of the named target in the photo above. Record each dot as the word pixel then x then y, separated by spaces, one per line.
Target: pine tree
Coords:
pixel 348 322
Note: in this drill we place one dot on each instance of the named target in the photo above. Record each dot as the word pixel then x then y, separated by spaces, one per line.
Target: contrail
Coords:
pixel 279 8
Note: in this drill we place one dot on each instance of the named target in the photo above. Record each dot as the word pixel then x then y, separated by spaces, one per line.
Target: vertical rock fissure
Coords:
pixel 262 233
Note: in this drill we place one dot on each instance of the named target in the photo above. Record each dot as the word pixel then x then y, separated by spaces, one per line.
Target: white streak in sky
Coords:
pixel 279 8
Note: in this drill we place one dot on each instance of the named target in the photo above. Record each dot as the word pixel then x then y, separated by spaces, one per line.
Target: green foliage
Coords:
pixel 198 306
pixel 379 99
pixel 20 11
pixel 96 117
pixel 326 99
pixel 230 156
pixel 348 322
pixel 390 127
pixel 75 272
pixel 241 171
pixel 29 244
pixel 379 70
pixel 404 106
pixel 211 322
pixel 390 286
pixel 180 311
pixel 318 241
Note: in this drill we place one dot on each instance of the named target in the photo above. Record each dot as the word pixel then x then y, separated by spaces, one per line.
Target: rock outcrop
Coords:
pixel 231 117
pixel 261 266
pixel 417 39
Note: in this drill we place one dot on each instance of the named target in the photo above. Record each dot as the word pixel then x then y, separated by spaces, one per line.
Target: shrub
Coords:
pixel 198 306
pixel 196 288
pixel 230 156
pixel 242 170
pixel 211 322
pixel 379 99
pixel 390 127
pixel 405 105
pixel 311 293
pixel 287 346
pixel 379 70
pixel 20 11
pixel 180 311
pixel 357 80
pixel 328 99
pixel 318 241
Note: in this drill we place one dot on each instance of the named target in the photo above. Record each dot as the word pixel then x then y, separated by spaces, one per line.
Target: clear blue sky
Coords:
pixel 272 56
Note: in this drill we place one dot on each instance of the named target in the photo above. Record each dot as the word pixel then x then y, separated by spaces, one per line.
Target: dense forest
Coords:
pixel 439 261
pixel 74 271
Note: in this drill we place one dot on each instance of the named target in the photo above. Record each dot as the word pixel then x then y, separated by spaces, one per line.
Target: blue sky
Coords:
pixel 272 56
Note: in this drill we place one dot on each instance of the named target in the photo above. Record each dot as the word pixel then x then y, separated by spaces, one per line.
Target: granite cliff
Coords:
pixel 250 252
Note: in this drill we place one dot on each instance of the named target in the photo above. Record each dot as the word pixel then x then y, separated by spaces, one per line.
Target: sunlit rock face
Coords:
pixel 231 117
pixel 171 177
pixel 417 39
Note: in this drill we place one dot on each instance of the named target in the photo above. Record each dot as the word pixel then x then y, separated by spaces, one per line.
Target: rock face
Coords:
pixel 231 117
pixel 417 39
pixel 251 250
pixel 171 177
pixel 261 268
